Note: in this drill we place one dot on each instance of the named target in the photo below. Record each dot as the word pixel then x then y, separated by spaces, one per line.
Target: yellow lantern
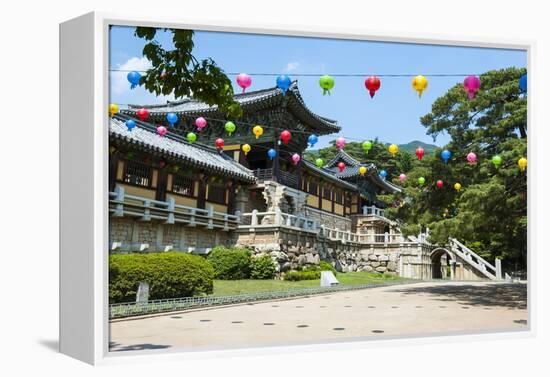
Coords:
pixel 246 148
pixel 393 149
pixel 522 163
pixel 362 170
pixel 458 186
pixel 258 131
pixel 419 83
pixel 113 109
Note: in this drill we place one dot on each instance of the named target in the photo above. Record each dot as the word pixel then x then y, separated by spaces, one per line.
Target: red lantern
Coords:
pixel 419 153
pixel 341 166
pixel 372 83
pixel 439 183
pixel 143 114
pixel 219 143
pixel 285 137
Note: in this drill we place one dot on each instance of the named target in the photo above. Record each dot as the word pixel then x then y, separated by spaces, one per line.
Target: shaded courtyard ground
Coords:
pixel 427 308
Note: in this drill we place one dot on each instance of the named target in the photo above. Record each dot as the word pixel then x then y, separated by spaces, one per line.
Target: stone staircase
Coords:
pixel 478 263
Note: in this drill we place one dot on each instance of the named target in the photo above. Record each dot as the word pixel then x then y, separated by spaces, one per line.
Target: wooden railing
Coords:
pixel 373 211
pixel 346 236
pixel 121 205
pixel 257 219
pixel 283 177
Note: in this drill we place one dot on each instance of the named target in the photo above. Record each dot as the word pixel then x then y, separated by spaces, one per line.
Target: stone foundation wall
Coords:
pixel 327 219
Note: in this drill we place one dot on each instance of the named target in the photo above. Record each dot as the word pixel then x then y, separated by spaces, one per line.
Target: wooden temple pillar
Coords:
pixel 162 183
pixel 201 195
pixel 231 185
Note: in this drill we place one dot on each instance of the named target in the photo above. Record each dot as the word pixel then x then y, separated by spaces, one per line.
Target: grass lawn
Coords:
pixel 234 287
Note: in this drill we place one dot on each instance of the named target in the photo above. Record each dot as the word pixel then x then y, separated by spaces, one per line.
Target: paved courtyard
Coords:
pixel 403 310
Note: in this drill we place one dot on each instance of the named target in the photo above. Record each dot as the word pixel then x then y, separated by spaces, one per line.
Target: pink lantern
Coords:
pixel 471 86
pixel 244 81
pixel 161 131
pixel 439 183
pixel 402 177
pixel 295 158
pixel 340 143
pixel 200 123
pixel 341 166
pixel 471 157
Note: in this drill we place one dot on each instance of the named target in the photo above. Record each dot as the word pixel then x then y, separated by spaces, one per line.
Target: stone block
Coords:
pixel 392 266
pixel 375 264
pixel 381 269
pixel 383 258
pixel 373 257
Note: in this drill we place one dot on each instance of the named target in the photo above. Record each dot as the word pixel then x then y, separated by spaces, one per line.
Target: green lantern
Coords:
pixel 421 181
pixel 319 162
pixel 191 137
pixel 230 127
pixel 367 145
pixel 497 161
pixel 327 83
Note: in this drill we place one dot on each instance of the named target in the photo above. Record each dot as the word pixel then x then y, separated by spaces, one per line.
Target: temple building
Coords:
pixel 169 194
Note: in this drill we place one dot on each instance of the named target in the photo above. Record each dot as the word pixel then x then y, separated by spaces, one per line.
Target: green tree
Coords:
pixel 179 72
pixel 489 213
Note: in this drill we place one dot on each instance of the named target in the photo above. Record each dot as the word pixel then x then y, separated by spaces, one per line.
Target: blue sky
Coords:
pixel 392 116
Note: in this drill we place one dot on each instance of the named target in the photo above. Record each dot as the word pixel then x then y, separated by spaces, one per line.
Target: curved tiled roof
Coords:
pixel 343 156
pixel 144 135
pixel 265 98
pixel 328 174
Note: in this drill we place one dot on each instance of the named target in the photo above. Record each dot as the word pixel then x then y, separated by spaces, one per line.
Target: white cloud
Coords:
pixel 119 82
pixel 292 66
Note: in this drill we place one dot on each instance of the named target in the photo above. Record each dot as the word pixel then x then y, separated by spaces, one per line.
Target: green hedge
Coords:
pixel 230 263
pixel 262 267
pixel 169 275
pixel 326 266
pixel 302 275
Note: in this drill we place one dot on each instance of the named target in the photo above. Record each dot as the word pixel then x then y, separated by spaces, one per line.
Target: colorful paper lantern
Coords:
pixel 162 131
pixel 172 118
pixel 341 166
pixel 113 109
pixel 471 86
pixel 439 183
pixel 244 81
pixel 457 186
pixel 258 131
pixel 496 160
pixel 200 123
pixel 272 153
pixel 419 153
pixel 421 181
pixel 367 145
pixel 319 162
pixel 295 158
pixel 246 148
pixel 419 83
pixel 383 174
pixel 283 83
pixel 285 137
pixel 402 177
pixel 471 158
pixel 372 83
pixel 523 83
pixel 362 170
pixel 326 82
pixel 219 143
pixel 133 77
pixel 143 114
pixel 393 149
pixel 446 155
pixel 312 140
pixel 131 124
pixel 522 163
pixel 191 137
pixel 340 143
pixel 230 127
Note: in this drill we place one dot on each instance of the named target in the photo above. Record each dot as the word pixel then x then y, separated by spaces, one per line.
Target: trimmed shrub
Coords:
pixel 169 275
pixel 230 263
pixel 326 266
pixel 302 275
pixel 262 267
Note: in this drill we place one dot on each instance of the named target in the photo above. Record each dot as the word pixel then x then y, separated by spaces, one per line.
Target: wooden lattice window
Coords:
pixel 313 188
pixel 183 185
pixel 216 193
pixel 327 193
pixel 338 197
pixel 137 174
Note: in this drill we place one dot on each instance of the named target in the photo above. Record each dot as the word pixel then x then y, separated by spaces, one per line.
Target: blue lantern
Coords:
pixel 383 174
pixel 312 140
pixel 134 78
pixel 172 118
pixel 523 83
pixel 283 83
pixel 445 155
pixel 271 153
pixel 131 124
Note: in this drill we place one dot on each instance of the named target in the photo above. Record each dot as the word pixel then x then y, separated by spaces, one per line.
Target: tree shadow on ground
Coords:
pixel 116 347
pixel 503 295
